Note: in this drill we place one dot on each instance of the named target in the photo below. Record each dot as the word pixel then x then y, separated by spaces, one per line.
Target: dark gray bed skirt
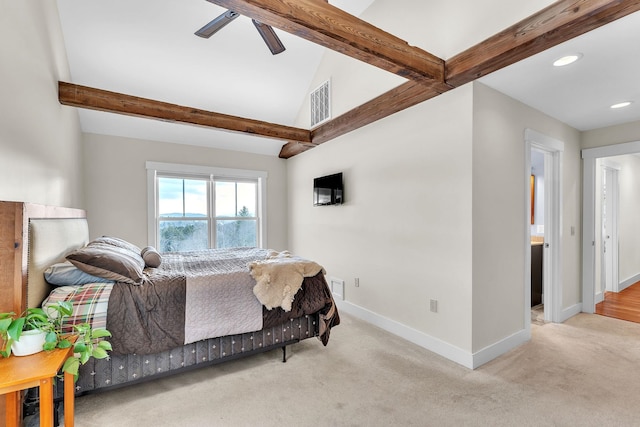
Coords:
pixel 119 370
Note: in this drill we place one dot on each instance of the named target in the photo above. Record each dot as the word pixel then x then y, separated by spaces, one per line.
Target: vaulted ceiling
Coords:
pixel 148 75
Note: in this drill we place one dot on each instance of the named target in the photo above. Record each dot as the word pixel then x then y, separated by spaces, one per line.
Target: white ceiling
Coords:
pixel 580 94
pixel 147 48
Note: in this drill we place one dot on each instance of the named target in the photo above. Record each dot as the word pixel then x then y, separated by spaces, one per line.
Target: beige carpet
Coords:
pixel 580 373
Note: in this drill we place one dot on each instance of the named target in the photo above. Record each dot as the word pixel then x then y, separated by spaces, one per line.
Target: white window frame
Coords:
pixel 156 168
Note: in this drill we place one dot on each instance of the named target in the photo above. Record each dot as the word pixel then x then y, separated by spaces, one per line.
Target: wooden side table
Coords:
pixel 21 372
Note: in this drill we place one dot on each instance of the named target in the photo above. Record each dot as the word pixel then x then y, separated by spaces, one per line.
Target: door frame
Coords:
pixel 552 265
pixel 589 157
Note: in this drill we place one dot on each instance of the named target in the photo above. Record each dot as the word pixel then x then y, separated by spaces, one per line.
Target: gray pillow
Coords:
pixel 151 257
pixel 109 262
pixel 117 242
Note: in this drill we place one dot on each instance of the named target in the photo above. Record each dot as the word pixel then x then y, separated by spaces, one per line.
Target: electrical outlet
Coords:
pixel 357 282
pixel 433 305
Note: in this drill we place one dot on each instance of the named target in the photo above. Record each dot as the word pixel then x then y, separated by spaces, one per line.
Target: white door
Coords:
pixel 609 229
pixel 551 241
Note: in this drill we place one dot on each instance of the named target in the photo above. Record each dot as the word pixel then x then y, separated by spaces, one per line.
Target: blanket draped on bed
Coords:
pixel 279 277
pixel 194 296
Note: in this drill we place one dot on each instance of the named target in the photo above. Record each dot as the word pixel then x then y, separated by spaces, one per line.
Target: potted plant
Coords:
pixel 32 327
pixel 47 324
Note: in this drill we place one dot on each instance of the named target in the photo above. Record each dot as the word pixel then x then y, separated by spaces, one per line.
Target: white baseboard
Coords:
pixel 492 351
pixel 446 350
pixel 570 312
pixel 628 282
pixel 599 297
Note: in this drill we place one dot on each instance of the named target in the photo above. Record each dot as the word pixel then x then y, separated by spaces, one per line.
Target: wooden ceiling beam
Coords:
pixel 549 27
pixel 333 28
pixel 112 102
pixel 397 99
pixel 555 24
pixel 324 24
pixel 292 148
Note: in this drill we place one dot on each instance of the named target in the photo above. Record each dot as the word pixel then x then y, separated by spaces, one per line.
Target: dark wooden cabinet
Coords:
pixel 536 274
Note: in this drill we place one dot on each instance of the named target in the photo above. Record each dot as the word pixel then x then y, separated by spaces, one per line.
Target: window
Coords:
pixel 193 208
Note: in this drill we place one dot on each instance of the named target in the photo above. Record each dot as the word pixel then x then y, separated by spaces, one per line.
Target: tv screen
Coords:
pixel 327 190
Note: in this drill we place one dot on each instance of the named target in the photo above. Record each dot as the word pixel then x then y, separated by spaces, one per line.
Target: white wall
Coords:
pixel 499 218
pixel 430 145
pixel 405 229
pixel 433 26
pixel 435 209
pixel 40 142
pixel 619 134
pixel 116 175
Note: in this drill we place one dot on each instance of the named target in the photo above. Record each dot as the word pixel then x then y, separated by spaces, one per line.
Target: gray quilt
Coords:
pixel 198 295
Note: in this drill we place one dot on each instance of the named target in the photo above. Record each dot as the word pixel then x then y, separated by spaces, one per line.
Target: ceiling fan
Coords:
pixel 266 31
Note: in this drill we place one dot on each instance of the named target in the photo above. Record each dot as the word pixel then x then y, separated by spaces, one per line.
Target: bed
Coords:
pixel 178 345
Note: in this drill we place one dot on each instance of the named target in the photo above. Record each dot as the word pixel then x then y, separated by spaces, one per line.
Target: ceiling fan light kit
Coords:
pixel 266 31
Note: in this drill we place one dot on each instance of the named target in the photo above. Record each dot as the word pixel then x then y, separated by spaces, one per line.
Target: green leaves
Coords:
pixel 105 345
pixel 50 341
pixel 72 365
pixel 99 353
pixel 15 328
pixel 89 342
pixel 100 333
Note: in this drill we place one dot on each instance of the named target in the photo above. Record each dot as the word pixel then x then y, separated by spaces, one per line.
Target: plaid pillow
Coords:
pixel 89 301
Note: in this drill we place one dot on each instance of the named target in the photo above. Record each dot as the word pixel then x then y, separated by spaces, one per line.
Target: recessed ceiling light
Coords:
pixel 621 105
pixel 566 60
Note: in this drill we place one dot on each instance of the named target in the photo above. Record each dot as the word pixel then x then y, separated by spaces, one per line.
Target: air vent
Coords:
pixel 321 104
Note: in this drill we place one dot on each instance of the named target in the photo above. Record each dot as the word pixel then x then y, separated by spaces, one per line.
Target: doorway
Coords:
pixel 591 228
pixel 544 199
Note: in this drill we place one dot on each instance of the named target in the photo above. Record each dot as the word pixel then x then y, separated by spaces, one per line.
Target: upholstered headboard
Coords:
pixel 49 241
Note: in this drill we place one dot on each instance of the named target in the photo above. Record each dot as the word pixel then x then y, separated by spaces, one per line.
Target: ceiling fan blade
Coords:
pixel 217 24
pixel 270 37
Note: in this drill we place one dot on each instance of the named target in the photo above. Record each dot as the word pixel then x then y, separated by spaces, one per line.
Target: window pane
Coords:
pixel 246 199
pixel 195 198
pixel 225 198
pixel 236 233
pixel 170 197
pixel 182 197
pixel 178 236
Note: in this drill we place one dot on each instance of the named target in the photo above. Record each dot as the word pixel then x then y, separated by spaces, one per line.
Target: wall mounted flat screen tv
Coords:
pixel 328 190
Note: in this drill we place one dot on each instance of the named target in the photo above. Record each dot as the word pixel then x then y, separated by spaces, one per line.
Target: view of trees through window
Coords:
pixel 184 222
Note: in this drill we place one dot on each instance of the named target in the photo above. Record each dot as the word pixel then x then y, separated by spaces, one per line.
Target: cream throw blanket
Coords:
pixel 279 277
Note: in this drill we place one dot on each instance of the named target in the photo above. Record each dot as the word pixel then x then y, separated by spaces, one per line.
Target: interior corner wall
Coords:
pixel 40 140
pixel 116 174
pixel 499 218
pixel 405 228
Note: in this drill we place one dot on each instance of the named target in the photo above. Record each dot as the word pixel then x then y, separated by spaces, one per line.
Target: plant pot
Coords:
pixel 30 342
